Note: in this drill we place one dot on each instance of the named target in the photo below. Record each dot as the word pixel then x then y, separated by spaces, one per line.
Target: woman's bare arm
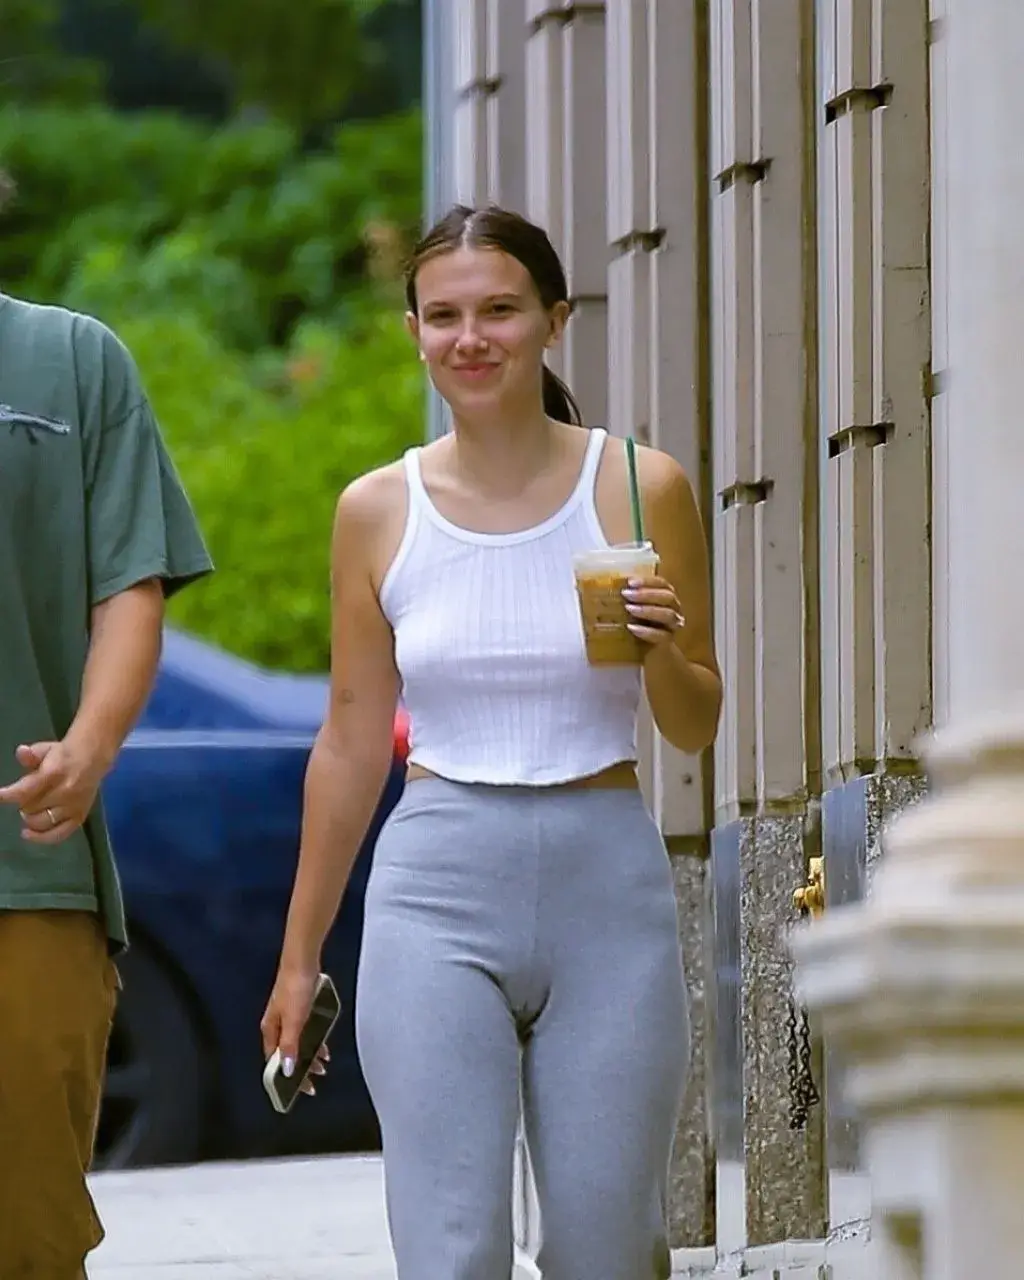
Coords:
pixel 352 755
pixel 683 682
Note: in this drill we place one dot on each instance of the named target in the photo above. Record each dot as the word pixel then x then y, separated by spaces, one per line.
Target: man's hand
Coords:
pixel 57 792
pixel 61 779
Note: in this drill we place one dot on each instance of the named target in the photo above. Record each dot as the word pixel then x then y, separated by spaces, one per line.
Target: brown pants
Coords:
pixel 57 993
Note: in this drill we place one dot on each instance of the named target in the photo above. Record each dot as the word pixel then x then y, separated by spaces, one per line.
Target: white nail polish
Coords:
pixel 288 1067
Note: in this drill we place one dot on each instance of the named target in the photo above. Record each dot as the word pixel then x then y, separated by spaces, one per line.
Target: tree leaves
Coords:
pixel 264 447
pixel 238 224
pixel 32 67
pixel 299 60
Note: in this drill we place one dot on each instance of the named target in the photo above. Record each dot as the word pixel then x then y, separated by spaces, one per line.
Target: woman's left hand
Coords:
pixel 654 607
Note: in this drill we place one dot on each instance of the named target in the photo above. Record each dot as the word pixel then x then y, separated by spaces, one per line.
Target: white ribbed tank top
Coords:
pixel 489 646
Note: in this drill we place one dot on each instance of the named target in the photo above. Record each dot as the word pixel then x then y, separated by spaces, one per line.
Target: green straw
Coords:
pixel 634 492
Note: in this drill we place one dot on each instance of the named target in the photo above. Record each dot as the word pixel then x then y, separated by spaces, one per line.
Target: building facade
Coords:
pixel 749 196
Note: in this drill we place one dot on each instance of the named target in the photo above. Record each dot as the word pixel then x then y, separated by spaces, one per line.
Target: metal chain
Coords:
pixel 796 1121
pixel 803 1092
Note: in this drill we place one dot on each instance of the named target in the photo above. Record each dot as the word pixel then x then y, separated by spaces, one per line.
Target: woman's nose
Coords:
pixel 469 339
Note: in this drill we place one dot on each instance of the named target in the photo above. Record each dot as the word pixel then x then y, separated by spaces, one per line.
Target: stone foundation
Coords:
pixel 777 1173
pixel 692 1182
pixel 839 1259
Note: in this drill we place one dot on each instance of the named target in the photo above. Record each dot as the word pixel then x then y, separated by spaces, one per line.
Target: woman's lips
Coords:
pixel 474 371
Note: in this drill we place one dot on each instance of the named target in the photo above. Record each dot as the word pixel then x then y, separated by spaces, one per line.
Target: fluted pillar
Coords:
pixel 921 988
pixel 656 246
pixel 765 504
pixel 565 177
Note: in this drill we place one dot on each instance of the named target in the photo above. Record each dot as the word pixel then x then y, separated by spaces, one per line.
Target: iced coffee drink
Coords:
pixel 601 577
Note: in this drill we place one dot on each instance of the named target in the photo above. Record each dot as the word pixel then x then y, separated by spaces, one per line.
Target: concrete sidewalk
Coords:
pixel 324 1220
pixel 264 1220
pixel 277 1220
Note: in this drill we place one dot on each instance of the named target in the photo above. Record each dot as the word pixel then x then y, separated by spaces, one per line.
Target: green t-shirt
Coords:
pixel 90 505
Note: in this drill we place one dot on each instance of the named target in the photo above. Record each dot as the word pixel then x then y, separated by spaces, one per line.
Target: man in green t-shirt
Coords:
pixel 95 531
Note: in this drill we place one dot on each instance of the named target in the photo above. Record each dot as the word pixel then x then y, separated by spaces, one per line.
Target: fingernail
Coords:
pixel 634 608
pixel 635 582
pixel 288 1067
pixel 629 593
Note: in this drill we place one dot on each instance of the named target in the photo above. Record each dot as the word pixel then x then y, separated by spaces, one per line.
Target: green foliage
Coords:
pixel 239 224
pixel 32 69
pixel 256 283
pixel 300 61
pixel 264 449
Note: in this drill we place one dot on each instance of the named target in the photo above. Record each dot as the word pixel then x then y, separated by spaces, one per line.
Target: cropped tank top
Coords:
pixel 489 646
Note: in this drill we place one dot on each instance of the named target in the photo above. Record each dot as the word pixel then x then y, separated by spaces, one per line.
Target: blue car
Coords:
pixel 204 808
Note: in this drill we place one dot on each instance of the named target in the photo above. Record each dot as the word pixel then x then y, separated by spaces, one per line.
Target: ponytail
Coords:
pixel 559 402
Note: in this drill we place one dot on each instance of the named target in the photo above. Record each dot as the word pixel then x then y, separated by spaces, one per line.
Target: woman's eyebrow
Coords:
pixel 508 296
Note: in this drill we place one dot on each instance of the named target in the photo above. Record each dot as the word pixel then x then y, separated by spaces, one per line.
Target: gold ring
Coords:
pixel 52 816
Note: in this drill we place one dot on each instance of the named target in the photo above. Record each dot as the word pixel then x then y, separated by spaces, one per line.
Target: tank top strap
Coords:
pixel 414 479
pixel 417 500
pixel 588 472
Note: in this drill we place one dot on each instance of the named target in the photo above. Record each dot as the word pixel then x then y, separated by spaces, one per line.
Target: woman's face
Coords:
pixel 482 328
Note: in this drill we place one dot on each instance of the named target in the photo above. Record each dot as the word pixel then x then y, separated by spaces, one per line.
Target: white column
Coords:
pixel 986 331
pixel 439 148
pixel 922 987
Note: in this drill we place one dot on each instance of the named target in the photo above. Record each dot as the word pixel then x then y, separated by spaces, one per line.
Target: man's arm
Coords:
pixel 124 649
pixel 62 779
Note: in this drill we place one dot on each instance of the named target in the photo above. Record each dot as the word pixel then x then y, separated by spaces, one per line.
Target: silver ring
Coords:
pixel 52 816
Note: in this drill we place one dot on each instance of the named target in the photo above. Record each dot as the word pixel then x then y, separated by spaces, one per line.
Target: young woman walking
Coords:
pixel 521 933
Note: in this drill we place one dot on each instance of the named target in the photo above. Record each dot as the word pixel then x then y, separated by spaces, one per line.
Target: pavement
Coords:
pixel 324 1219
pixel 302 1219
pixel 274 1220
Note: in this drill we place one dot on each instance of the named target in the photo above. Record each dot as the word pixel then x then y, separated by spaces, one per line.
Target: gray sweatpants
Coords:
pixel 523 937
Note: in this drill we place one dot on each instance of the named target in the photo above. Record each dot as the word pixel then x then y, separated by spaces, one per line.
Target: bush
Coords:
pixel 264 452
pixel 118 215
pixel 255 283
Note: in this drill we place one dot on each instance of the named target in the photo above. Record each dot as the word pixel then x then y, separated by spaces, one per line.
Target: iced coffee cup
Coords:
pixel 601 576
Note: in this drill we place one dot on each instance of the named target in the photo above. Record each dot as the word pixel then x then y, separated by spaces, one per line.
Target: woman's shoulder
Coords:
pixel 370 518
pixel 658 472
pixel 375 496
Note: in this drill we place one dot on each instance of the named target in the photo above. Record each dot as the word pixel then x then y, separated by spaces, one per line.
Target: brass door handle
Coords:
pixel 809 899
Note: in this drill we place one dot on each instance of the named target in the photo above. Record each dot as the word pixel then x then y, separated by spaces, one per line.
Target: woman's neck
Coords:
pixel 504 453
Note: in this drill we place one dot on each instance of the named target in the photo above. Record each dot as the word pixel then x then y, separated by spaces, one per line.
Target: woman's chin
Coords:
pixel 475 398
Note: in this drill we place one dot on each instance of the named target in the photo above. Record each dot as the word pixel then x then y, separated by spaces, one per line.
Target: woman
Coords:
pixel 521 928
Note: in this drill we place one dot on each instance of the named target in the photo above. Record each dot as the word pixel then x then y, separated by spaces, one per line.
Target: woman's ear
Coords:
pixel 413 325
pixel 559 318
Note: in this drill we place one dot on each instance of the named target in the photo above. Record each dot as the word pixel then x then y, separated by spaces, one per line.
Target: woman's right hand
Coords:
pixel 288 1009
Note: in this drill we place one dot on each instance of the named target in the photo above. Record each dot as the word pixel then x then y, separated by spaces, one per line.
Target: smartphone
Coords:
pixel 282 1090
